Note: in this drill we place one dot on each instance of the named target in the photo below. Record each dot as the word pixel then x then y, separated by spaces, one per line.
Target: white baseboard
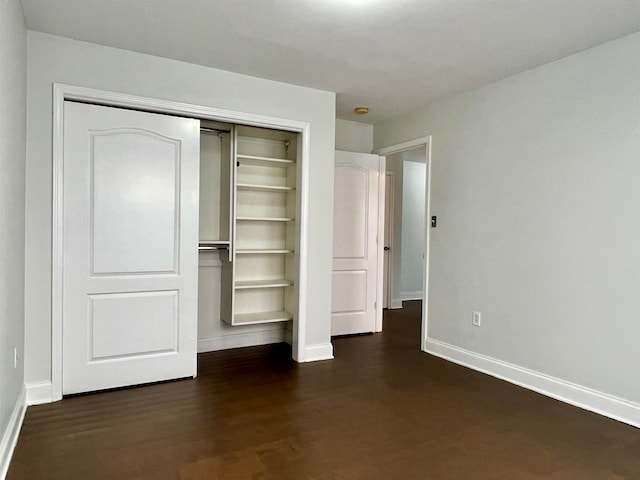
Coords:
pixel 237 340
pixel 417 295
pixel 317 352
pixel 41 392
pixel 592 400
pixel 10 436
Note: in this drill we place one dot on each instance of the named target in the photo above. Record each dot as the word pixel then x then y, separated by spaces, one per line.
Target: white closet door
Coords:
pixel 355 249
pixel 130 247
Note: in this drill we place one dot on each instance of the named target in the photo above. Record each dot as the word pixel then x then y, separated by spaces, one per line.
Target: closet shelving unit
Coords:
pixel 261 269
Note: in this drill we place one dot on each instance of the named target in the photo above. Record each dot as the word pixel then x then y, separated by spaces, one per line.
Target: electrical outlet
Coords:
pixel 15 357
pixel 475 320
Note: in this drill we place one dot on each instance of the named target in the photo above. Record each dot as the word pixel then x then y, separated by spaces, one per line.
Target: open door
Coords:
pixel 356 305
pixel 130 247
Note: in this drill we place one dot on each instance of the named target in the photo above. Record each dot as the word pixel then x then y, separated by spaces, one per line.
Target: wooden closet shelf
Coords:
pixel 264 219
pixel 261 317
pixel 268 161
pixel 264 188
pixel 207 243
pixel 282 282
pixel 263 250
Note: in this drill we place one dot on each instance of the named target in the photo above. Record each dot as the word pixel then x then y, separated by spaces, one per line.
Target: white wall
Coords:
pixel 56 59
pixel 413 208
pixel 354 136
pixel 535 182
pixel 213 332
pixel 13 65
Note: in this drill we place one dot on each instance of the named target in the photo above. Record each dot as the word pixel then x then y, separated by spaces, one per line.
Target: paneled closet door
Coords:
pixel 355 247
pixel 130 247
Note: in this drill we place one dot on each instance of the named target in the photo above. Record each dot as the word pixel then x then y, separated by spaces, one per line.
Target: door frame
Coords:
pixel 382 167
pixel 389 175
pixel 399 148
pixel 62 93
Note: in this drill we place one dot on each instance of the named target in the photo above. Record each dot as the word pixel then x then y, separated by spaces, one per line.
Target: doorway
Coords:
pixel 407 225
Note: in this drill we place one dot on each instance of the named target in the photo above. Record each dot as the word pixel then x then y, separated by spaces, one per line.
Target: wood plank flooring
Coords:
pixel 380 410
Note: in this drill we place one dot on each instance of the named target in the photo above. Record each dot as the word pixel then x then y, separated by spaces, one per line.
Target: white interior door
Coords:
pixel 130 247
pixel 355 247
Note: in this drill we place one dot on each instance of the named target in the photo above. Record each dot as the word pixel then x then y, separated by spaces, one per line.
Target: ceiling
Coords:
pixel 391 55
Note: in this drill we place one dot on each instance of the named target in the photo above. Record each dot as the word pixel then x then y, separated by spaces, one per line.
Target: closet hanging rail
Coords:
pixel 213 130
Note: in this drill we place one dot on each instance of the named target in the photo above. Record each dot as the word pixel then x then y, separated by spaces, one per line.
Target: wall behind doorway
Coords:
pixel 413 211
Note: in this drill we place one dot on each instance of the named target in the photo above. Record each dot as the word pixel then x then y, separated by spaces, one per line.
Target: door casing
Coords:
pixel 389 191
pixel 62 92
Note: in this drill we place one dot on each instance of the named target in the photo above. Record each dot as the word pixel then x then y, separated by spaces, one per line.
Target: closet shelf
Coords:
pixel 262 250
pixel 264 188
pixel 205 245
pixel 283 282
pixel 264 219
pixel 263 141
pixel 264 161
pixel 261 317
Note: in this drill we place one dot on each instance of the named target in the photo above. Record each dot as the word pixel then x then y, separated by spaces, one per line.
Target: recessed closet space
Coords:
pixel 248 235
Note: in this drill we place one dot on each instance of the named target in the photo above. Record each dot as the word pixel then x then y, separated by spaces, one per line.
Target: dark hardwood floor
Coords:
pixel 380 410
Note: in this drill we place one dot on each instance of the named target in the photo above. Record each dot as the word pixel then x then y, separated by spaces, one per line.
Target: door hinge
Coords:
pixel 375 305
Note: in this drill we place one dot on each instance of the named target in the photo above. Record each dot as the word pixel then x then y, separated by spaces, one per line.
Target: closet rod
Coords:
pixel 213 130
pixel 213 248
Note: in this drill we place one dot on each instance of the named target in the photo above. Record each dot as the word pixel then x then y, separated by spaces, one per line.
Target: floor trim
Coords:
pixel 41 392
pixel 237 340
pixel 10 437
pixel 319 351
pixel 608 405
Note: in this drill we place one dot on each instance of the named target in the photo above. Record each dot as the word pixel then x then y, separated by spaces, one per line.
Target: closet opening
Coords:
pixel 230 191
pixel 248 233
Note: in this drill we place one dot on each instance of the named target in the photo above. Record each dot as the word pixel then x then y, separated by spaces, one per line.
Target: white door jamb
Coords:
pixel 389 190
pixel 382 166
